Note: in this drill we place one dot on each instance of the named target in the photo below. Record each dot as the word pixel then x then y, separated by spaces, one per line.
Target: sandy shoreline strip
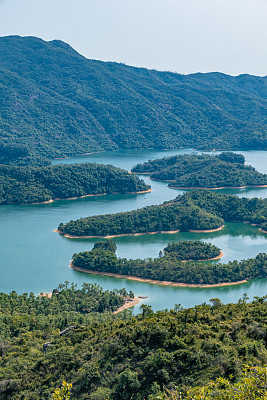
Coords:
pixel 262 230
pixel 88 195
pixel 208 259
pixel 215 258
pixel 128 304
pixel 163 283
pixel 206 231
pixel 112 236
pixel 134 234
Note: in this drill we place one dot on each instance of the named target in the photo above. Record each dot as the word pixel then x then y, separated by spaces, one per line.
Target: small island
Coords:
pixel 191 171
pixel 167 269
pixel 197 210
pixel 193 250
pixel 27 185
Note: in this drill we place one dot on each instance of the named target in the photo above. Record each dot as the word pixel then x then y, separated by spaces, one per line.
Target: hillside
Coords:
pixel 55 102
pixel 123 358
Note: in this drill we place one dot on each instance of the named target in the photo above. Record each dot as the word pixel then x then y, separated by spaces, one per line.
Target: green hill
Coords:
pixel 169 267
pixel 195 210
pixel 203 171
pixel 40 184
pixel 55 102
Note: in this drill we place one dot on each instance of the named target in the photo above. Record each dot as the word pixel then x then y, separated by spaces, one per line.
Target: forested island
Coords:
pixel 168 268
pixel 193 250
pixel 57 103
pixel 196 210
pixel 46 341
pixel 21 185
pixel 203 171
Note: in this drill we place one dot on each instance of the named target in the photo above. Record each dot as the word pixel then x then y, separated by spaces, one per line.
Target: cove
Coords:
pixel 34 258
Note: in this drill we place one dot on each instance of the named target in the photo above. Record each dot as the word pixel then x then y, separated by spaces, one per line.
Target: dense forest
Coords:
pixel 65 305
pixel 55 102
pixel 195 210
pixel 167 217
pixel 194 250
pixel 38 184
pixel 126 357
pixel 203 171
pixel 230 208
pixel 169 267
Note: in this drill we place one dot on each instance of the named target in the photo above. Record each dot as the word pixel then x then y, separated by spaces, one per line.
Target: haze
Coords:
pixel 185 36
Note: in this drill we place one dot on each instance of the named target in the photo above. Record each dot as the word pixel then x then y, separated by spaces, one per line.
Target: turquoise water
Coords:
pixel 34 258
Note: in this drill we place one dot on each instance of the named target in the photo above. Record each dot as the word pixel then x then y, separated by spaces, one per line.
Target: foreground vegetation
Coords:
pixel 56 103
pixel 67 305
pixel 196 210
pixel 203 171
pixel 251 385
pixel 169 267
pixel 39 184
pixel 126 357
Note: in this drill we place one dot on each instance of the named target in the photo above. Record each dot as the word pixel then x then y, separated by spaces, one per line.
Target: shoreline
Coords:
pixel 128 304
pixel 113 236
pixel 206 230
pixel 76 155
pixel 135 234
pixel 86 195
pixel 153 281
pixel 214 258
pixel 197 187
pixel 262 230
pixel 208 259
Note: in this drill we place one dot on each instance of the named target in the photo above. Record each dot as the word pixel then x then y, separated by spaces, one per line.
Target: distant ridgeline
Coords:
pixel 169 267
pixel 39 184
pixel 196 210
pixel 55 102
pixel 203 171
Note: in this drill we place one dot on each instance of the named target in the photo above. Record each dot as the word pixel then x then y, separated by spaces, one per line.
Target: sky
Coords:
pixel 184 36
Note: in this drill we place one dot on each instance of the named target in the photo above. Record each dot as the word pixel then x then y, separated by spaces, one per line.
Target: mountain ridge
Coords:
pixel 57 103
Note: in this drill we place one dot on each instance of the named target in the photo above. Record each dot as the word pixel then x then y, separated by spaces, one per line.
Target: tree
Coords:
pixel 62 393
pixel 127 386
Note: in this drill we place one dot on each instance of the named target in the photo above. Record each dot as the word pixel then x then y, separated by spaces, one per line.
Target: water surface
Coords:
pixel 34 258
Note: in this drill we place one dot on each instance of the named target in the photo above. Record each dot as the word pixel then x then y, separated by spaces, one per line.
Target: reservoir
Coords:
pixel 36 259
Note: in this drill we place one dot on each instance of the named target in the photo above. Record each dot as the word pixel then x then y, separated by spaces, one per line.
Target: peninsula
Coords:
pixel 25 185
pixel 168 268
pixel 226 170
pixel 198 210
